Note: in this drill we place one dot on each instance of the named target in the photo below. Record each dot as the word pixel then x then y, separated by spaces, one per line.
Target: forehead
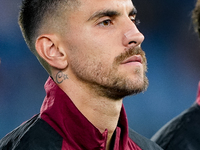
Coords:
pixel 91 6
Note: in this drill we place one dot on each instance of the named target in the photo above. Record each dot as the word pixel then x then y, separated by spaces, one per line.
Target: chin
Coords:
pixel 119 91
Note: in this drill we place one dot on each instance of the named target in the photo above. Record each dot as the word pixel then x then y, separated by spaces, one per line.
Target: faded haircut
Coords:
pixel 196 17
pixel 38 17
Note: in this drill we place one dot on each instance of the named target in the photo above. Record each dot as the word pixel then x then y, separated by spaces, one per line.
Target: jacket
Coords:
pixel 61 126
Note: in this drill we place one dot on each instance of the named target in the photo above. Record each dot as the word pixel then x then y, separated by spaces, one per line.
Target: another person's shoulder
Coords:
pixel 143 142
pixel 34 134
pixel 182 132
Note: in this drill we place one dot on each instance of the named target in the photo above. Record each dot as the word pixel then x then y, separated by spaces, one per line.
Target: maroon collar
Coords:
pixel 61 113
pixel 198 95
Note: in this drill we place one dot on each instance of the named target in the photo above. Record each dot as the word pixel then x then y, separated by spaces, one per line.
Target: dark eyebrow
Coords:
pixel 133 12
pixel 102 13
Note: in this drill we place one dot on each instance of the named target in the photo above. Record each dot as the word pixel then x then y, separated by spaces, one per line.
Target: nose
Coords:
pixel 133 37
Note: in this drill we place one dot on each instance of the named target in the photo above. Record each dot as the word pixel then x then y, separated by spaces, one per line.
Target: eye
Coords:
pixel 135 21
pixel 105 22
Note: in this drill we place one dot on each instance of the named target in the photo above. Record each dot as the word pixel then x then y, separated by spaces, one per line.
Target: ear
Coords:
pixel 47 46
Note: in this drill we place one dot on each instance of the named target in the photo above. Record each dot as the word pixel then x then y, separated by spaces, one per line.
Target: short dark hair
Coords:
pixel 37 14
pixel 196 17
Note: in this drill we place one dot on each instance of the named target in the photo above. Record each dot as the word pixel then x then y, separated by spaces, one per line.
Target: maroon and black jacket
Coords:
pixel 61 126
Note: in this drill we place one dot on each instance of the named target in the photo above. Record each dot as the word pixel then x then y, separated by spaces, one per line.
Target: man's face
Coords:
pixel 103 48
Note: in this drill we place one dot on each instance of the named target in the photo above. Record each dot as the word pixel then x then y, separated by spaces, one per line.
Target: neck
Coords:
pixel 102 112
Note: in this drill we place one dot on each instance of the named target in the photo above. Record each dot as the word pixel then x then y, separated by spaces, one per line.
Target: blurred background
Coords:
pixel 173 52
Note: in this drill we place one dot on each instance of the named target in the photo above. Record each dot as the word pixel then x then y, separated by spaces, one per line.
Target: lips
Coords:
pixel 134 58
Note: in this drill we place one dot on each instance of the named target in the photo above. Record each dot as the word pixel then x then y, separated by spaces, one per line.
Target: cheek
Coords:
pixel 99 47
pixel 104 40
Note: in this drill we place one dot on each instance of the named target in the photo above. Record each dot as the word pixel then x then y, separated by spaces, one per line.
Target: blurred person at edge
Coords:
pixel 92 52
pixel 183 131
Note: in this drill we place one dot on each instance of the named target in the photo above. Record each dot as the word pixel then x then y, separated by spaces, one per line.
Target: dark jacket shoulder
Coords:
pixel 143 142
pixel 35 134
pixel 182 132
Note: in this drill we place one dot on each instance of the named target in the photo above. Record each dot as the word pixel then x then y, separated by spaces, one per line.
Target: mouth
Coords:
pixel 133 59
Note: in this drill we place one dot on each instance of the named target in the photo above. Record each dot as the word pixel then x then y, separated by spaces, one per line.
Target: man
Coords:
pixel 92 52
pixel 183 132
